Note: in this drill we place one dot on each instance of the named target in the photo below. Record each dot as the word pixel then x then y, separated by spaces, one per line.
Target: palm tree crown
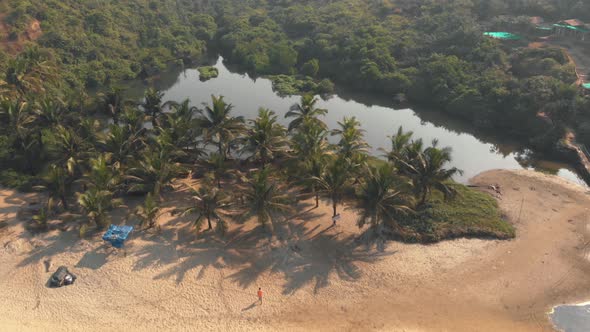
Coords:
pixel 427 171
pixel 218 126
pixel 352 144
pixel 209 204
pixel 264 198
pixel 152 105
pixel 305 111
pixel 382 198
pixel 265 139
pixel 334 180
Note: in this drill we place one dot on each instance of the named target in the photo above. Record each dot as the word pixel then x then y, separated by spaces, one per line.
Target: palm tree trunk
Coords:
pixel 263 162
pixel 64 202
pixel 334 203
pixel 30 164
pixel 154 122
pixel 424 194
pixel 220 148
pixel 317 199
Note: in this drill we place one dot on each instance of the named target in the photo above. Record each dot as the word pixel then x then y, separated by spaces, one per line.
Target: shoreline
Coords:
pixel 175 280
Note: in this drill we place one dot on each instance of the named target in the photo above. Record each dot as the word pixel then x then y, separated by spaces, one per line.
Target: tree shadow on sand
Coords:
pixel 309 261
pixel 201 253
pixel 52 245
pixel 94 259
pixel 304 255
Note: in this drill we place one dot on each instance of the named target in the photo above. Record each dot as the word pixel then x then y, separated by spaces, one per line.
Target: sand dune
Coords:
pixel 315 277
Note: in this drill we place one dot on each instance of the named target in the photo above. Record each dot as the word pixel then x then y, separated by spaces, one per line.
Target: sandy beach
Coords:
pixel 314 276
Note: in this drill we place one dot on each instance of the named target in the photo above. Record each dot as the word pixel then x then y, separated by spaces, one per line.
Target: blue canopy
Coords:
pixel 117 235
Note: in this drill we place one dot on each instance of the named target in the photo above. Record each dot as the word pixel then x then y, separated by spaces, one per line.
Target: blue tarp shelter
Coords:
pixel 117 235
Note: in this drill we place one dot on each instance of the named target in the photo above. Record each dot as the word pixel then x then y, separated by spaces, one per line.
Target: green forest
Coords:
pixel 55 84
pixel 432 52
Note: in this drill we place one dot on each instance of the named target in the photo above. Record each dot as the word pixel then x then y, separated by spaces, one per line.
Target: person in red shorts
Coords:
pixel 260 295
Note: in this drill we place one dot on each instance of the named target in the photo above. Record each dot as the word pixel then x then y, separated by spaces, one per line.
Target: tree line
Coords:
pixel 90 162
pixel 431 52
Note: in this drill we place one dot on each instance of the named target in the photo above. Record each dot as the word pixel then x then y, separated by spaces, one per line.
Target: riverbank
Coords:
pixel 318 279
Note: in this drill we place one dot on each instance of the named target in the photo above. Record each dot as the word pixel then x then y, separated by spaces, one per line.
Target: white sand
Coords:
pixel 177 281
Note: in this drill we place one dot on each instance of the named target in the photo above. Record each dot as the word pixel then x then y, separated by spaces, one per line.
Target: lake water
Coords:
pixel 473 152
pixel 572 318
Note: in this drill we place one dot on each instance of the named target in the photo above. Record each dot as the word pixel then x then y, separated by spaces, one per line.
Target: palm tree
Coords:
pixel 310 140
pixel 383 198
pixel 400 144
pixel 42 218
pixel 351 144
pixel 149 212
pixel 154 172
pixel 58 183
pixel 96 204
pixel 427 172
pixel 305 111
pixel 315 168
pixel 180 126
pixel 265 198
pixel 217 166
pixel 113 103
pixel 312 153
pixel 102 175
pixel 88 130
pixel 219 127
pixel 134 119
pixel 102 182
pixel 18 118
pixel 152 105
pixel 265 139
pixel 122 144
pixel 209 204
pixel 49 113
pixel 334 180
pixel 69 149
pixel 28 73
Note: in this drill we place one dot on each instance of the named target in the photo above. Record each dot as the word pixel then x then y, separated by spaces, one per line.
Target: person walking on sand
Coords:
pixel 260 295
pixel 335 219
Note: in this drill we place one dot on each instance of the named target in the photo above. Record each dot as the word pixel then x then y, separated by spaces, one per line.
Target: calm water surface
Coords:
pixel 472 152
pixel 572 318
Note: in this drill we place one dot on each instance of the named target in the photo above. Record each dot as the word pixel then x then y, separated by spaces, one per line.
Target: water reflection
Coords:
pixel 473 151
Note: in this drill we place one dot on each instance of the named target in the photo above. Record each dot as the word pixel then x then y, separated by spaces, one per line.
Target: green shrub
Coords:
pixel 12 179
pixel 207 73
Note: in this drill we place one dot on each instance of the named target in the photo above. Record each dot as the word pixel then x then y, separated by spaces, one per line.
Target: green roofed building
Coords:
pixel 586 86
pixel 502 35
pixel 573 27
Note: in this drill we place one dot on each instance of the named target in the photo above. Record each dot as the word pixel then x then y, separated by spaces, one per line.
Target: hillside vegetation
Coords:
pixel 433 52
pixel 98 43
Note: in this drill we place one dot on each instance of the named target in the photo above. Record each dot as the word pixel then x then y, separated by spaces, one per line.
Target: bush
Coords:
pixel 207 73
pixel 470 214
pixel 287 85
pixel 13 179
